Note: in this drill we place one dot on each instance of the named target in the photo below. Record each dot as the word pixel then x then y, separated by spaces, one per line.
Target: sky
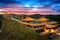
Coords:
pixel 54 4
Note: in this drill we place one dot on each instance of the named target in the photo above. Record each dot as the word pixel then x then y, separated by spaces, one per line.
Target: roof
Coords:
pixel 50 26
pixel 43 19
pixel 28 19
pixel 53 22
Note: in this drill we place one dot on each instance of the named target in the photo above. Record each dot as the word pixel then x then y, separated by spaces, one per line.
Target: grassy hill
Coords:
pixel 12 30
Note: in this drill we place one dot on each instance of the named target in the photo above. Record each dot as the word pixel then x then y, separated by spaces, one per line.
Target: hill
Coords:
pixel 12 30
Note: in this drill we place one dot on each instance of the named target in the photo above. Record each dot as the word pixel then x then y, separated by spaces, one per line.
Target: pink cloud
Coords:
pixel 18 9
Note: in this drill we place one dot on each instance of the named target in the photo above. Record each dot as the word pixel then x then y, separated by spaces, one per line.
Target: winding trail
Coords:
pixel 15 19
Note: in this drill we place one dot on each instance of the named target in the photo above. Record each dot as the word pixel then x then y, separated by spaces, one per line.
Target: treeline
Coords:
pixel 1 20
pixel 51 17
pixel 37 16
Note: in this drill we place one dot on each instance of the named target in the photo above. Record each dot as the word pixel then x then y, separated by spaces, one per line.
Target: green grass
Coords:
pixel 12 30
pixel 58 38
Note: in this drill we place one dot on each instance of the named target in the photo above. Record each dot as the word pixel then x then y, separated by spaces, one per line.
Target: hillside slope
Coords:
pixel 12 30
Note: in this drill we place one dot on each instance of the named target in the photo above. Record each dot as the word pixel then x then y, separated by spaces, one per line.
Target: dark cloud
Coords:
pixel 22 1
pixel 46 3
pixel 7 1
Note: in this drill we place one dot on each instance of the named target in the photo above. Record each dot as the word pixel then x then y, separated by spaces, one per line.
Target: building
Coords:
pixel 41 23
pixel 50 27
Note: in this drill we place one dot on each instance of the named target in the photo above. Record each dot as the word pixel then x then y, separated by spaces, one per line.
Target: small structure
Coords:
pixel 28 19
pixel 43 19
pixel 50 27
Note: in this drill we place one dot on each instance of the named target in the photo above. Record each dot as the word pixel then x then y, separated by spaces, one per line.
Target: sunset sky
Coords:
pixel 52 4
